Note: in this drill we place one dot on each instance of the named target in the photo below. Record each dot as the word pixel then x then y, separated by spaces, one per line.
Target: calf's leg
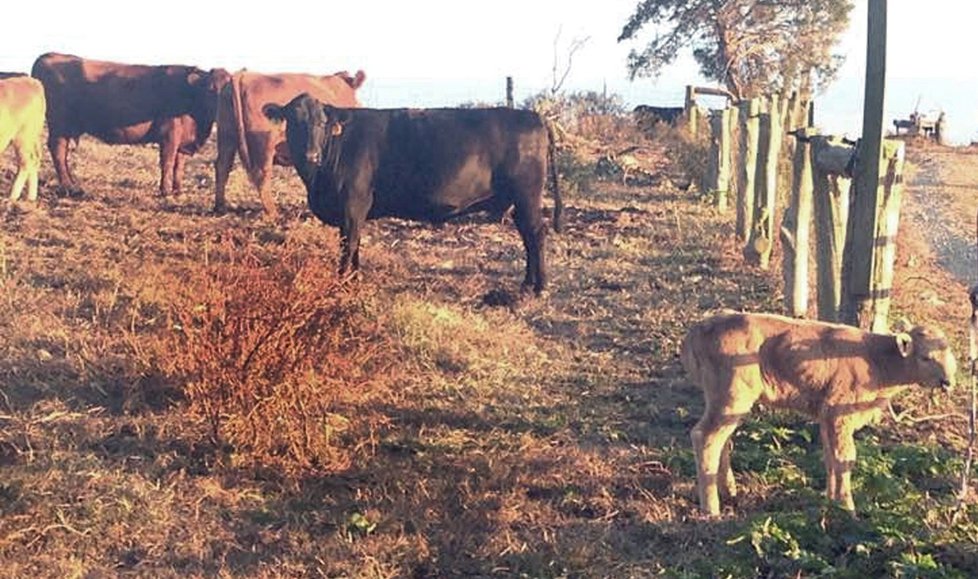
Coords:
pixel 728 486
pixel 710 436
pixel 840 459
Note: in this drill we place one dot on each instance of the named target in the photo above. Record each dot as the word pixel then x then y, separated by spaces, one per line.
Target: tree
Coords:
pixel 752 47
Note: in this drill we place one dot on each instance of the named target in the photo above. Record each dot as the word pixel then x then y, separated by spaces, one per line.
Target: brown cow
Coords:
pixel 173 106
pixel 21 123
pixel 243 127
pixel 840 375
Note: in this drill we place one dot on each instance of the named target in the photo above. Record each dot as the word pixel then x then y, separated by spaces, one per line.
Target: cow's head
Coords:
pixel 308 127
pixel 927 349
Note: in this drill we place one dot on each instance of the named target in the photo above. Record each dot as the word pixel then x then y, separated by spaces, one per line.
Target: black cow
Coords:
pixel 648 116
pixel 425 165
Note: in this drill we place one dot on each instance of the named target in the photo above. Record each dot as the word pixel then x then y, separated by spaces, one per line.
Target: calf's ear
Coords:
pixel 904 344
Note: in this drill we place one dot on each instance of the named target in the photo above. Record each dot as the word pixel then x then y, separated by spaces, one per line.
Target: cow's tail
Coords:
pixel 554 184
pixel 239 127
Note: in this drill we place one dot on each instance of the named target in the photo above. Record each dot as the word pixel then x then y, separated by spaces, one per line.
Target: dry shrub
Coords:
pixel 275 356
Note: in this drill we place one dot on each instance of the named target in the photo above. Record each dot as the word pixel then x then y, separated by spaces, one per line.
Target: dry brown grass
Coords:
pixel 545 439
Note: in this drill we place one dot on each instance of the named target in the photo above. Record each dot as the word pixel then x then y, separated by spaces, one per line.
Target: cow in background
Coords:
pixel 647 116
pixel 425 165
pixel 243 128
pixel 21 123
pixel 173 106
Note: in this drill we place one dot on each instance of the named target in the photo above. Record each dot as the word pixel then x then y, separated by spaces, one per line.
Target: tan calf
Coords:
pixel 839 375
pixel 21 123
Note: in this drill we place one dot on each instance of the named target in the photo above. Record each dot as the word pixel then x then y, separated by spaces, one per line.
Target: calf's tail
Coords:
pixel 687 355
pixel 554 185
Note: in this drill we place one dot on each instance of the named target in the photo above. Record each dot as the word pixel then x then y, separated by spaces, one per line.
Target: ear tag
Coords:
pixel 337 130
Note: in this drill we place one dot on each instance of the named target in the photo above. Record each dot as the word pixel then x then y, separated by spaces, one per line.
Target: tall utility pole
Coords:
pixel 859 294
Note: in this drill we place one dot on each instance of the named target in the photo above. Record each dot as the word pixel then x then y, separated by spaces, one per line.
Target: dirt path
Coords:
pixel 941 202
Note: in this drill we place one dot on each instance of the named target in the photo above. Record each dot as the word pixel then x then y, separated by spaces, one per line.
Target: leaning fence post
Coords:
pixel 749 129
pixel 796 227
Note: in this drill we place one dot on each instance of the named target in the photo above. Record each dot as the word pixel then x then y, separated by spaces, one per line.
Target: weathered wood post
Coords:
pixel 733 129
pixel 761 241
pixel 796 226
pixel 718 182
pixel 692 116
pixel 862 241
pixel 830 165
pixel 749 130
pixel 891 170
pixel 509 91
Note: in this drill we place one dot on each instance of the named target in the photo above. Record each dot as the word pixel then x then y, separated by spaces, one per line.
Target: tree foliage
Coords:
pixel 751 46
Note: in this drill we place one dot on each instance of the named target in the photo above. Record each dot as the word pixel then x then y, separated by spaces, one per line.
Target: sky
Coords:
pixel 443 53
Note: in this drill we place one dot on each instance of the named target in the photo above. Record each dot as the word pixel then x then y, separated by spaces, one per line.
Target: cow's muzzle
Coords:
pixel 947 384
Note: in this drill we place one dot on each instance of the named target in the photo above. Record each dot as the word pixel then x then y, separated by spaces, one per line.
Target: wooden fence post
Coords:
pixel 796 227
pixel 862 241
pixel 509 91
pixel 830 159
pixel 718 182
pixel 749 130
pixel 891 171
pixel 733 130
pixel 692 116
pixel 761 241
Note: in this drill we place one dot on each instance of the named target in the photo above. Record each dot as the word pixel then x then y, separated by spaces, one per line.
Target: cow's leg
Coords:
pixel 529 222
pixel 168 163
pixel 263 172
pixel 178 167
pixel 58 146
pixel 355 215
pixel 226 149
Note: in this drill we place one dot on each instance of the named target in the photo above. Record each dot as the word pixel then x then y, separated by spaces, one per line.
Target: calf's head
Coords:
pixel 308 125
pixel 930 355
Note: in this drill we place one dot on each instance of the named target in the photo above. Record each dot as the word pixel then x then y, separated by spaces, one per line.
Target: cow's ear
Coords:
pixel 274 112
pixel 194 76
pixel 902 325
pixel 904 344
